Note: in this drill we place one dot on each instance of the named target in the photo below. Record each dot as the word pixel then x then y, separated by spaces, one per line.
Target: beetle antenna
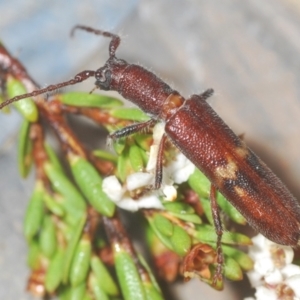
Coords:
pixel 76 79
pixel 115 39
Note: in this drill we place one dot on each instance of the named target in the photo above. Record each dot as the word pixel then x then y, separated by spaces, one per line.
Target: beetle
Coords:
pixel 203 137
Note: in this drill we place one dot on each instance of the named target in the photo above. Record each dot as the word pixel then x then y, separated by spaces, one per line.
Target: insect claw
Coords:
pixel 218 280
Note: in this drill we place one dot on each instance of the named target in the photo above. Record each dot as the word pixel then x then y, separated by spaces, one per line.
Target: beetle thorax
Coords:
pixel 171 105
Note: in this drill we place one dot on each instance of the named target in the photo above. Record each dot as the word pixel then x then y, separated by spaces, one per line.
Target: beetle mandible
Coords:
pixel 202 136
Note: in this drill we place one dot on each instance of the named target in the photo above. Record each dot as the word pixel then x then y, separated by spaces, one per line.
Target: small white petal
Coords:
pixel 151 165
pixel 294 283
pixel 274 277
pixel 259 242
pixel 170 192
pixel 112 188
pixel 290 270
pixel 150 201
pixel 254 278
pixel 263 293
pixel 264 266
pixel 289 254
pixel 180 169
pixel 184 174
pixel 137 180
pixel 260 248
pixel 158 132
pixel 128 204
pixel 288 251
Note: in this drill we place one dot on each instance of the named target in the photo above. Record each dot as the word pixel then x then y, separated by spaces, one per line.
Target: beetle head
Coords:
pixel 103 77
pixel 108 76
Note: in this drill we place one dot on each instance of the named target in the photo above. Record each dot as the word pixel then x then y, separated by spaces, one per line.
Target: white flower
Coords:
pixel 118 194
pixel 264 293
pixel 293 282
pixel 273 271
pixel 180 169
pixel 138 180
pixel 177 171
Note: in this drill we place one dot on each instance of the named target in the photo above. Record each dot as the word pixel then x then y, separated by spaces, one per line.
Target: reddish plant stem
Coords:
pixel 12 65
pixel 39 153
pixel 118 236
pixel 53 112
pixel 101 117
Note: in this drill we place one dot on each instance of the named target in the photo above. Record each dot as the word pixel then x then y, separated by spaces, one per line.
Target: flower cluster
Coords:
pixel 78 245
pixel 273 276
pixel 177 171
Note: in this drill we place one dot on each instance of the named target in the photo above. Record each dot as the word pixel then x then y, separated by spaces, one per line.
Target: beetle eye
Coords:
pixel 100 74
pixel 103 78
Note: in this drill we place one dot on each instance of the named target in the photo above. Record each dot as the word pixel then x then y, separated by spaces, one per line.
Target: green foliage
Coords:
pixel 62 235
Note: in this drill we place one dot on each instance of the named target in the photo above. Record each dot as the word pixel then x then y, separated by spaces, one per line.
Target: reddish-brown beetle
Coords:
pixel 193 127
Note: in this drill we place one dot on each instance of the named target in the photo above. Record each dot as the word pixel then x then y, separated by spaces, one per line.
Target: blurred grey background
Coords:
pixel 248 51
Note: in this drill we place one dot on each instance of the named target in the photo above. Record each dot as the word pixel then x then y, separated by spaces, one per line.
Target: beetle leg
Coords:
pixel 128 130
pixel 158 167
pixel 219 232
